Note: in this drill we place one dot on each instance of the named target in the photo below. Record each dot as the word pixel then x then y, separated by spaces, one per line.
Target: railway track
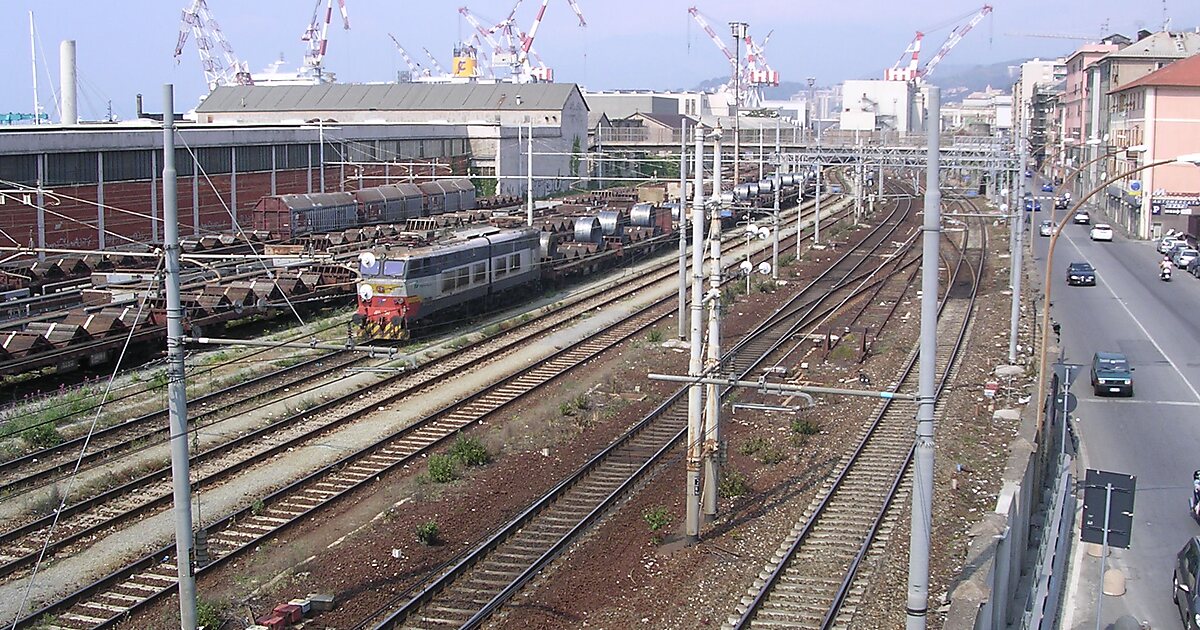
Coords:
pixel 811 585
pixel 112 598
pixel 471 588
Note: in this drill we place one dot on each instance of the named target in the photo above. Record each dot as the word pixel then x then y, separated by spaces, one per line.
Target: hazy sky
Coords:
pixel 126 46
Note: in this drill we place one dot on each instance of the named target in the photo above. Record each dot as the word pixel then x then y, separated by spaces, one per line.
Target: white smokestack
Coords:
pixel 68 83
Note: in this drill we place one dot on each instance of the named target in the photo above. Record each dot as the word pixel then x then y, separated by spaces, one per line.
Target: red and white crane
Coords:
pixel 436 66
pixel 955 36
pixel 911 72
pixel 316 35
pixel 901 72
pixel 699 17
pixel 511 47
pixel 413 67
pixel 221 66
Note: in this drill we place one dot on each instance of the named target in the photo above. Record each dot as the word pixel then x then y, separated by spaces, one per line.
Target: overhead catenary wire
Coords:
pixel 73 476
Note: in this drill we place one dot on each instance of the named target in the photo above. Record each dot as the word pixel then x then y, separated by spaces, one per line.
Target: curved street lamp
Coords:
pixel 1193 159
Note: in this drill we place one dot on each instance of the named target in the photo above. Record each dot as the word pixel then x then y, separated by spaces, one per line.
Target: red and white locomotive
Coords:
pixel 402 286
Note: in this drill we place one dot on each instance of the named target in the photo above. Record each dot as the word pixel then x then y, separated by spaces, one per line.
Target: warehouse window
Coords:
pixel 253 158
pixel 20 169
pixel 124 166
pixel 71 168
pixel 215 160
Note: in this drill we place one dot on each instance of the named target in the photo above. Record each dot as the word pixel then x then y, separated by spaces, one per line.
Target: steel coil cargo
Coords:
pixel 766 186
pixel 741 192
pixel 754 190
pixel 548 245
pixel 643 215
pixel 727 197
pixel 610 222
pixel 587 230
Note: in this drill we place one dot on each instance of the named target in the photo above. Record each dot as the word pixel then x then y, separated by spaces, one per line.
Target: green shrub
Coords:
pixel 42 436
pixel 733 484
pixel 208 615
pixel 771 455
pixel 581 402
pixel 804 426
pixel 752 445
pixel 654 336
pixel 469 451
pixel 442 469
pixel 427 533
pixel 657 518
pixel 566 408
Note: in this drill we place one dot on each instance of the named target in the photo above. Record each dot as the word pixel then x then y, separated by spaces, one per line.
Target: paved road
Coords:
pixel 1156 434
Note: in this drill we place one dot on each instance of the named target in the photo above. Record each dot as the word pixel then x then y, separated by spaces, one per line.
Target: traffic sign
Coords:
pixel 1108 507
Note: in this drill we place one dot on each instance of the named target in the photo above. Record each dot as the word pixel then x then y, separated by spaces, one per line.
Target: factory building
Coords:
pixel 104 180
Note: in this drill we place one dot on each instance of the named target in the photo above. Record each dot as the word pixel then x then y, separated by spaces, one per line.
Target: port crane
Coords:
pixel 220 64
pixel 911 71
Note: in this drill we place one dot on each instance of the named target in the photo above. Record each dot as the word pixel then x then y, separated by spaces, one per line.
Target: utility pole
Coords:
pixel 922 495
pixel 320 152
pixel 176 390
pixel 712 416
pixel 739 33
pixel 695 436
pixel 1018 226
pixel 817 206
pixel 775 225
pixel 681 315
pixel 529 178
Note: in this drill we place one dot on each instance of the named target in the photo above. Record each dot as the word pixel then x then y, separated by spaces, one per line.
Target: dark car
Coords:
pixel 1062 202
pixel 1194 267
pixel 1111 374
pixel 1081 274
pixel 1033 204
pixel 1047 187
pixel 1184 581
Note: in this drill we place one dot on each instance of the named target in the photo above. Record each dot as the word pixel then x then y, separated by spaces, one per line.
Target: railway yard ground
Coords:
pixel 633 568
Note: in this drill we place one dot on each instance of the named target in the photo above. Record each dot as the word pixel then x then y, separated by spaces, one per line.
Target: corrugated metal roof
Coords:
pixel 388 97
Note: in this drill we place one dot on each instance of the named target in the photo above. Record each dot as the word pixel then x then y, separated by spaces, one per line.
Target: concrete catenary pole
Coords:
pixel 696 359
pixel 1017 249
pixel 817 206
pixel 37 106
pixel 529 178
pixel 68 82
pixel 176 391
pixel 922 496
pixel 682 313
pixel 712 366
pixel 776 227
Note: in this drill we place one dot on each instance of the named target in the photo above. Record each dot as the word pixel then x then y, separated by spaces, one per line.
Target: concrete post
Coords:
pixel 776 228
pixel 1016 255
pixel 529 177
pixel 922 496
pixel 681 315
pixel 176 387
pixel 695 359
pixel 712 366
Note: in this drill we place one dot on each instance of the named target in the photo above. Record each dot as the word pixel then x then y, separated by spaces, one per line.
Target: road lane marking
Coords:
pixel 1106 401
pixel 1138 323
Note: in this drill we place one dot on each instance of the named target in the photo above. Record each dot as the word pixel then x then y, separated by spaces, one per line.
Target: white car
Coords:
pixel 1167 244
pixel 1046 228
pixel 1183 256
pixel 1101 232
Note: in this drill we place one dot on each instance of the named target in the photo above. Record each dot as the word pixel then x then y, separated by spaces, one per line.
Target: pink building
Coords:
pixel 1076 115
pixel 1160 112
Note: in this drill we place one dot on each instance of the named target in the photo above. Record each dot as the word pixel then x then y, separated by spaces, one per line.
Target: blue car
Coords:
pixel 1047 187
pixel 1033 204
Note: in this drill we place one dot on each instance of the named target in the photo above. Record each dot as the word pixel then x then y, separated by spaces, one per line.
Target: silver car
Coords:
pixel 1183 256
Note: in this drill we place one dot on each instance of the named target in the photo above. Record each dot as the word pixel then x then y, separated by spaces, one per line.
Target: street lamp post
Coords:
pixel 1193 159
pixel 739 33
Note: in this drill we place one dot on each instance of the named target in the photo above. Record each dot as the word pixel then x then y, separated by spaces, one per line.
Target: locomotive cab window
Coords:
pixel 369 270
pixel 514 262
pixel 480 273
pixel 394 268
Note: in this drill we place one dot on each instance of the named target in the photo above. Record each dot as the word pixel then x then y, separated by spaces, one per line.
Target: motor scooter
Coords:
pixel 1164 274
